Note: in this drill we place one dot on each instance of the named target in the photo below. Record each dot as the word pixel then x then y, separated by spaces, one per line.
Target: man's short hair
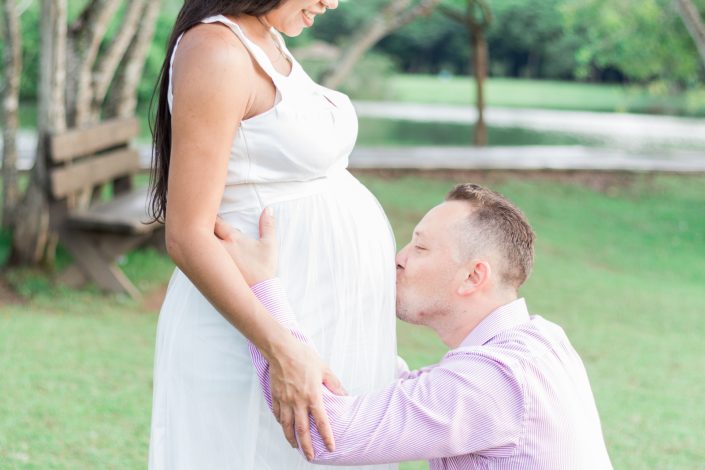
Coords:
pixel 497 225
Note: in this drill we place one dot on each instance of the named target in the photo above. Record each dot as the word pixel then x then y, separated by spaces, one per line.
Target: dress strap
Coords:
pixel 255 51
pixel 259 55
pixel 170 90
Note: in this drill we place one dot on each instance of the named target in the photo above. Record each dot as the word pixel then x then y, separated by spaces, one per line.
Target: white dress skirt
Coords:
pixel 336 262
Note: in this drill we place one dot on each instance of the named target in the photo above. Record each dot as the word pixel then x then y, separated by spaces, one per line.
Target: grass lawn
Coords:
pixel 524 93
pixel 621 270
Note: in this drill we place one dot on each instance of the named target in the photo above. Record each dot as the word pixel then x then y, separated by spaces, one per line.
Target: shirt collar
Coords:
pixel 507 316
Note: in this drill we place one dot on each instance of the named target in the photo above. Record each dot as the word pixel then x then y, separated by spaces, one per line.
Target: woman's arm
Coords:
pixel 213 90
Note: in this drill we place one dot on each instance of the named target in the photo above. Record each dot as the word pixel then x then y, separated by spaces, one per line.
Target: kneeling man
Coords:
pixel 511 393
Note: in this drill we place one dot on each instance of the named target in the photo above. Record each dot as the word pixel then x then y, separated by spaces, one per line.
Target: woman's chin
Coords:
pixel 292 30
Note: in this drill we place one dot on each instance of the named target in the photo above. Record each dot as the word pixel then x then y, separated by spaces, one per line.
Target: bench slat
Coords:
pixel 98 170
pixel 80 142
pixel 125 214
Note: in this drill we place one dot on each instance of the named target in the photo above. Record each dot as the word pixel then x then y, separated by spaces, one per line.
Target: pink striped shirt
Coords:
pixel 513 395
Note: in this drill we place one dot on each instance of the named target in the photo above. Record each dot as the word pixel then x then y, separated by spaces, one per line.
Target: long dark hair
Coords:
pixel 191 14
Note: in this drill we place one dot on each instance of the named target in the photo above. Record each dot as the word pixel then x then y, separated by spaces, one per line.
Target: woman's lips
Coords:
pixel 308 18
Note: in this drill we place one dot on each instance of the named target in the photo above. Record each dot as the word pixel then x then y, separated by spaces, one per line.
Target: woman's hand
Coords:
pixel 256 259
pixel 296 371
pixel 295 381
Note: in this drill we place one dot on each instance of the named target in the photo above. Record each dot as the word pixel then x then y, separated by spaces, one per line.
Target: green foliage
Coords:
pixel 338 25
pixel 644 39
pixel 5 245
pixel 527 39
pixel 29 22
pixel 637 40
pixel 429 45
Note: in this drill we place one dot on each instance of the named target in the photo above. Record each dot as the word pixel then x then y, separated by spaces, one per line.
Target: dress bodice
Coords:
pixel 307 134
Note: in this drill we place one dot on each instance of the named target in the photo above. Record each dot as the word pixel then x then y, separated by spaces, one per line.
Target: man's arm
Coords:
pixel 466 404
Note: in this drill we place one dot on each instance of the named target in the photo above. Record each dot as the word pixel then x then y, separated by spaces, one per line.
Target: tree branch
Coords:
pixel 453 13
pixel 115 51
pixel 396 14
pixel 12 67
pixel 485 13
pixel 423 8
pixel 694 23
pixel 123 96
pixel 84 38
pixel 469 18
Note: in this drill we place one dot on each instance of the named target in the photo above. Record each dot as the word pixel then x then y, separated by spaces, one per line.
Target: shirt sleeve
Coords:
pixel 469 403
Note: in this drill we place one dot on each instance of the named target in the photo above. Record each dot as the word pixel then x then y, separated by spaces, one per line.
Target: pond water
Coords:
pixel 393 132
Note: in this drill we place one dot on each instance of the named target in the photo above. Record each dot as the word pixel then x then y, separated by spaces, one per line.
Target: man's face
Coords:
pixel 428 268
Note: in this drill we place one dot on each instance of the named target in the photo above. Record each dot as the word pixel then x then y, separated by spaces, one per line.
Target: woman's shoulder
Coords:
pixel 211 46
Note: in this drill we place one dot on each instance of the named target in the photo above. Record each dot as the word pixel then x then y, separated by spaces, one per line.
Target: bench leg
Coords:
pixel 72 277
pixel 96 258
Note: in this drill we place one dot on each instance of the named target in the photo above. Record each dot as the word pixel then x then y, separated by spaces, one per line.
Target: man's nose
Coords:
pixel 401 257
pixel 330 4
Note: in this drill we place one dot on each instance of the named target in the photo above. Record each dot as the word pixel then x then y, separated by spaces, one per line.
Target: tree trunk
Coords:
pixel 476 19
pixel 84 39
pixel 479 60
pixel 108 64
pixel 396 14
pixel 12 65
pixel 32 240
pixel 123 96
pixel 694 23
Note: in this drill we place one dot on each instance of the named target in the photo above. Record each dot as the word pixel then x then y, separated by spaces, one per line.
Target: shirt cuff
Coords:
pixel 271 294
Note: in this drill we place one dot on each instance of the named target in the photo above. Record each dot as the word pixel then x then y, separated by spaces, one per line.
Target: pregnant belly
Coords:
pixel 336 261
pixel 339 197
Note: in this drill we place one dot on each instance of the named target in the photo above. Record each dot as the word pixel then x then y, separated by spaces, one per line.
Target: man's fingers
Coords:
pixel 276 411
pixel 267 225
pixel 303 432
pixel 333 384
pixel 287 424
pixel 224 230
pixel 320 417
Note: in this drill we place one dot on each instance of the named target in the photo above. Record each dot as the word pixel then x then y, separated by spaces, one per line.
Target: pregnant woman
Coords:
pixel 241 127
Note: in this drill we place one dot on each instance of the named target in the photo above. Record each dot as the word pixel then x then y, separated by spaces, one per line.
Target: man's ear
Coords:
pixel 476 275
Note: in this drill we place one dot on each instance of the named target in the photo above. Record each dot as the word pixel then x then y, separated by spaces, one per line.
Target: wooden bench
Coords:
pixel 97 230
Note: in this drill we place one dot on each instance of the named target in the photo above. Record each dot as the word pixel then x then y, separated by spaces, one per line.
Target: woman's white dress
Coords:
pixel 336 261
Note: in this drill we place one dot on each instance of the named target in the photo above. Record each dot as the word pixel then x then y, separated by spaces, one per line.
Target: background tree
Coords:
pixel 84 75
pixel 642 39
pixel 694 24
pixel 32 241
pixel 393 15
pixel 12 70
pixel 527 39
pixel 476 18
